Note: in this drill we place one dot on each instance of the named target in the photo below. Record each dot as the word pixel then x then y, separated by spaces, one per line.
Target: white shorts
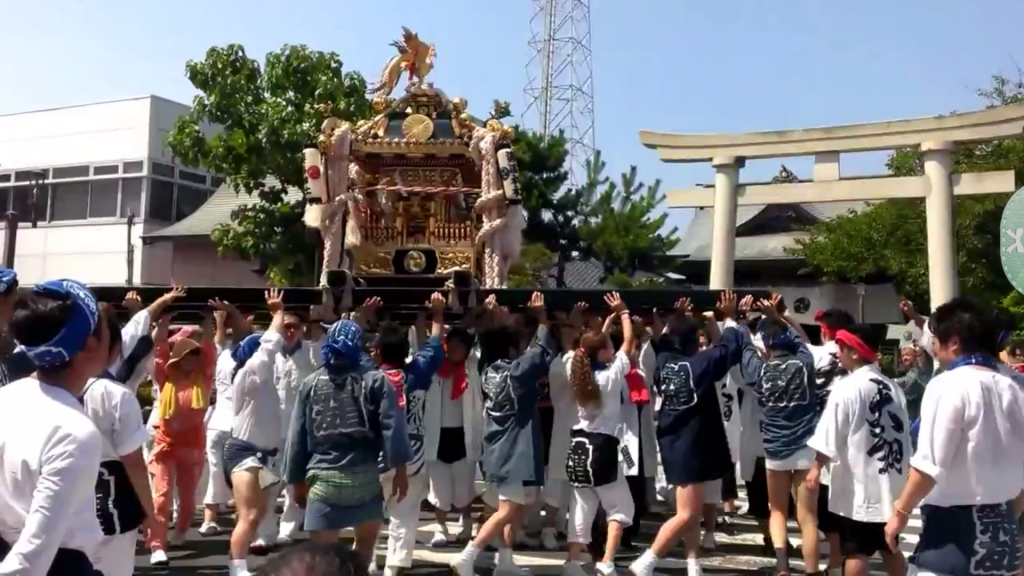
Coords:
pixel 802 459
pixel 452 486
pixel 267 475
pixel 616 500
pixel 511 492
pixel 712 492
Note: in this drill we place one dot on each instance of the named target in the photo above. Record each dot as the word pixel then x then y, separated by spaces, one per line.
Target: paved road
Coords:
pixel 739 551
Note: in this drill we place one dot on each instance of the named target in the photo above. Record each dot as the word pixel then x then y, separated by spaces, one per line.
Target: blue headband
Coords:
pixel 71 339
pixel 246 348
pixel 784 340
pixel 344 343
pixel 7 278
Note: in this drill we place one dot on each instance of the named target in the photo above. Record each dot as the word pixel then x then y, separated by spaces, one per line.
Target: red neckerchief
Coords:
pixel 457 373
pixel 638 393
pixel 397 378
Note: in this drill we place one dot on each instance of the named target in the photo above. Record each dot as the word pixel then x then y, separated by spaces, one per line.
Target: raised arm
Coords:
pixel 527 370
pixel 160 304
pixel 428 359
pixel 728 352
pixel 161 349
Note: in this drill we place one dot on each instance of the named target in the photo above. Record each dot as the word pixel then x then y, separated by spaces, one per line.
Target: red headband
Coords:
pixel 826 332
pixel 852 341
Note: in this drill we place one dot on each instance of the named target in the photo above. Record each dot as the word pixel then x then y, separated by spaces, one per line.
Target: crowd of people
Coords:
pixel 575 422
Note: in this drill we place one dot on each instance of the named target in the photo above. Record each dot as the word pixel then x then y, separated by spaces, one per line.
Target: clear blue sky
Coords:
pixel 674 65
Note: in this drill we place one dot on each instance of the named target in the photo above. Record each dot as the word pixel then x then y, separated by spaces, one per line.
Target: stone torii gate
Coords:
pixel 936 137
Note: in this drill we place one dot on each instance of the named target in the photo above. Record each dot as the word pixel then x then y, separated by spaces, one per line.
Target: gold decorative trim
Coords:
pixel 451 260
pixel 376 262
pixel 417 127
pixel 440 147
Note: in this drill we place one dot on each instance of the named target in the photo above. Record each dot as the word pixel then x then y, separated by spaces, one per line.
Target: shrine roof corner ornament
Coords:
pixel 983 125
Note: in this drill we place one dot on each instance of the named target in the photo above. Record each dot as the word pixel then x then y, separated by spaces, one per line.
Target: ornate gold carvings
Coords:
pixel 447 177
pixel 450 260
pixel 379 262
pixel 417 127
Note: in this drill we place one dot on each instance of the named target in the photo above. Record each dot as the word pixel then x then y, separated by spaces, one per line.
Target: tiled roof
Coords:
pixel 217 210
pixel 579 274
pixel 696 241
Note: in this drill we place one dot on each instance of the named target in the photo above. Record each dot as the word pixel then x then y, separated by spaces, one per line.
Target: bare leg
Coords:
pixel 807 517
pixel 366 539
pixel 684 523
pixel 327 537
pixel 894 564
pixel 779 486
pixel 612 542
pixel 251 502
pixel 496 525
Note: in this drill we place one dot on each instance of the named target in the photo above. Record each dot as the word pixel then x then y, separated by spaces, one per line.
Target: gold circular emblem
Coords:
pixel 417 127
pixel 415 261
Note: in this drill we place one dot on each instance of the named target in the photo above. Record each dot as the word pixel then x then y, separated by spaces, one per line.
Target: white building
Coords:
pixel 101 163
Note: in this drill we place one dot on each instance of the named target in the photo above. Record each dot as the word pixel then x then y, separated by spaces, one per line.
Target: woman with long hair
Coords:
pixel 597 376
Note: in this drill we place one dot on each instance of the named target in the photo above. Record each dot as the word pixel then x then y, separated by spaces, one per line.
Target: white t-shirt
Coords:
pixel 291 371
pixel 222 414
pixel 971 440
pixel 865 431
pixel 607 417
pixel 50 458
pixel 258 416
pixel 117 415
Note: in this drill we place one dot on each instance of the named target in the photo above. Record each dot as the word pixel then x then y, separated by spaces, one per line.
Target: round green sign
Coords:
pixel 1011 240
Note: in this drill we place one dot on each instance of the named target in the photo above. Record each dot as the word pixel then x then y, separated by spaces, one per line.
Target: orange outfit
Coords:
pixel 179 445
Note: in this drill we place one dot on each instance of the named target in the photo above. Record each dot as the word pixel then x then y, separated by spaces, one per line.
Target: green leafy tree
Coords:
pixel 889 239
pixel 267 115
pixel 622 227
pixel 533 268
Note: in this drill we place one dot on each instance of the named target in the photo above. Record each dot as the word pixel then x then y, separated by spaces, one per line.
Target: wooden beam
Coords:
pixel 990 124
pixel 867 189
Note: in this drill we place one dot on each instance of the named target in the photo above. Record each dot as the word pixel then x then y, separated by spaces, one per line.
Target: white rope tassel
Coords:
pixel 334 211
pixel 491 204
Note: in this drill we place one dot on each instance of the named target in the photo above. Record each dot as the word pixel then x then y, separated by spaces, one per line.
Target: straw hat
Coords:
pixel 181 348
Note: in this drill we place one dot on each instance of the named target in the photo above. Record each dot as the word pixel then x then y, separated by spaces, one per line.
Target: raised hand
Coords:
pixel 727 303
pixel 536 305
pixel 275 300
pixel 746 304
pixel 768 308
pixel 684 307
pixel 614 301
pixel 437 303
pixel 178 291
pixel 576 316
pixel 132 301
pixel 368 310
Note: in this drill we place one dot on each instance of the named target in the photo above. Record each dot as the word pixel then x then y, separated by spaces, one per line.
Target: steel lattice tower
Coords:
pixel 560 79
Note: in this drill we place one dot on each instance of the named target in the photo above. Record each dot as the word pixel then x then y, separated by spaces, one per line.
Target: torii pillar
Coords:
pixel 935 137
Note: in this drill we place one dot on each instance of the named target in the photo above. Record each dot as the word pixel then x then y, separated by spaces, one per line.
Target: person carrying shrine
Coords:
pixel 969 464
pixel 862 437
pixel 691 435
pixel 346 419
pixel 513 460
pixel 124 501
pixel 50 451
pixel 15 363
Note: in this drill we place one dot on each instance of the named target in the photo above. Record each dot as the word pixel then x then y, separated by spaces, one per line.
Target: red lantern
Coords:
pixel 313 172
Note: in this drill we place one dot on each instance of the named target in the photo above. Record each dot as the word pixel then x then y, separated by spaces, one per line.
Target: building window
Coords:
pixel 103 199
pixel 192 177
pixel 30 175
pixel 66 172
pixel 133 167
pixel 105 170
pixel 165 170
pixel 21 203
pixel 131 197
pixel 5 177
pixel 161 200
pixel 70 201
pixel 189 200
pixel 5 200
